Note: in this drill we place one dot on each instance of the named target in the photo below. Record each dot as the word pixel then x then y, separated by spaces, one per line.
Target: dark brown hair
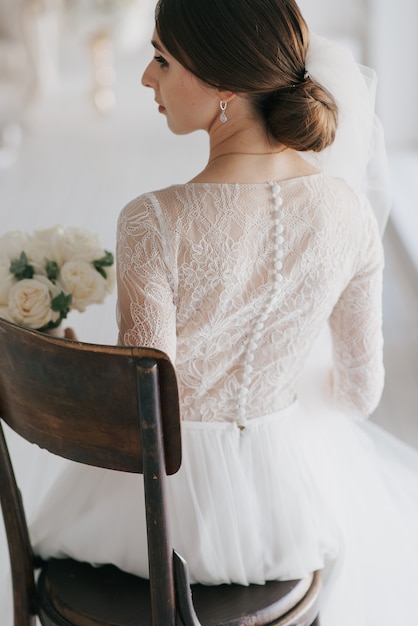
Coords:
pixel 257 48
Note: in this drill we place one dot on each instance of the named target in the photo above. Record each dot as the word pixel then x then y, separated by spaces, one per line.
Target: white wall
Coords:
pixel 386 34
pixel 394 54
pixel 335 18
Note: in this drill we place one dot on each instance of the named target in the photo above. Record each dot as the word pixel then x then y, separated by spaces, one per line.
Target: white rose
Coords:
pixel 48 240
pixel 37 252
pixel 69 243
pixel 84 283
pixel 13 244
pixel 48 235
pixel 7 279
pixel 30 302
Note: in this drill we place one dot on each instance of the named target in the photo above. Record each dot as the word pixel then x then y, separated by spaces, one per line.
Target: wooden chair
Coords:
pixel 114 407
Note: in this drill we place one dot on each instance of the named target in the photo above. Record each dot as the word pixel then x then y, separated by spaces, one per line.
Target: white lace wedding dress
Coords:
pixel 281 475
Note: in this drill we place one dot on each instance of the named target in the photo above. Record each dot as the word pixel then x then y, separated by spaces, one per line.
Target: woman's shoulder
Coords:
pixel 148 206
pixel 339 190
pixel 350 207
pixel 153 213
pixel 323 192
pixel 153 200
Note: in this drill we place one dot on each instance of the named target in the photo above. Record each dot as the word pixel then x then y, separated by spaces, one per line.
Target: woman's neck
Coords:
pixel 241 151
pixel 233 166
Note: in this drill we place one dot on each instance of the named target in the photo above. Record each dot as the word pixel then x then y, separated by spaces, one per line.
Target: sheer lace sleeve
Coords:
pixel 146 310
pixel 356 326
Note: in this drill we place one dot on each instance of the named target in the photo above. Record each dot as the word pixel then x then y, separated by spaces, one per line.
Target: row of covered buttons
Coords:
pixel 260 321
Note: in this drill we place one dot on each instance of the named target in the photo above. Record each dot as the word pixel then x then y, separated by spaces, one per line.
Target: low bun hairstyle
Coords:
pixel 257 48
pixel 303 116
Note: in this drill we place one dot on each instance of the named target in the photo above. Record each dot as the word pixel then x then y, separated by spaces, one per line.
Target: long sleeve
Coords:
pixel 146 309
pixel 356 326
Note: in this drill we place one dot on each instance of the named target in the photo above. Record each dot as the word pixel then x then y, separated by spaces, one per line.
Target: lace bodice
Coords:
pixel 236 281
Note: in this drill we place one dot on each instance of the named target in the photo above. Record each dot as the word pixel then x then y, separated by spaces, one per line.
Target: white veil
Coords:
pixel 358 153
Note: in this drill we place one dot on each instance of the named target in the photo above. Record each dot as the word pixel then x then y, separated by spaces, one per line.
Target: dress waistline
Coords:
pixel 250 423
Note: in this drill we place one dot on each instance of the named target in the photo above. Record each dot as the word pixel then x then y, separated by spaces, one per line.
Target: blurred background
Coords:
pixel 80 137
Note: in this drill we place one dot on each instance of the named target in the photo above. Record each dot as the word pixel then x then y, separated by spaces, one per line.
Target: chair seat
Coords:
pixel 85 595
pixel 261 604
pixel 92 596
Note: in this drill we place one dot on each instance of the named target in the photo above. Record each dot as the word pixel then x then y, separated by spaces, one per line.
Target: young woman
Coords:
pixel 235 274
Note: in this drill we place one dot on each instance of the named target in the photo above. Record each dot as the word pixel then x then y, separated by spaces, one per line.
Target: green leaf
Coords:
pixel 51 270
pixel 61 304
pixel 106 261
pixel 21 268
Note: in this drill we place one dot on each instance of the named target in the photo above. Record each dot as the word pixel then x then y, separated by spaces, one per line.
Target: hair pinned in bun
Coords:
pixel 303 116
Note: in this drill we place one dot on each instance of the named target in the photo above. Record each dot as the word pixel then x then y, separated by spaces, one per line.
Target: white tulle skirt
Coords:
pixel 296 491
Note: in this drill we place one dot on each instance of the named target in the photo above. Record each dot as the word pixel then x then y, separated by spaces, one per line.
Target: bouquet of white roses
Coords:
pixel 45 275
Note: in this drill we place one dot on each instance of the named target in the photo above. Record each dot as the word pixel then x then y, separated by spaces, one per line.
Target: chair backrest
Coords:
pixel 110 406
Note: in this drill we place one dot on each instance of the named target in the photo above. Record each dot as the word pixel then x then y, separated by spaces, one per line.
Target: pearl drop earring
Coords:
pixel 223 117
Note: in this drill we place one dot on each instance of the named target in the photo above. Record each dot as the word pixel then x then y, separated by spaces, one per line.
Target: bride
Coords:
pixel 237 275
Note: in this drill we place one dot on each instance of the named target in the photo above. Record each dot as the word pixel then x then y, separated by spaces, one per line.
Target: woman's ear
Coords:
pixel 226 96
